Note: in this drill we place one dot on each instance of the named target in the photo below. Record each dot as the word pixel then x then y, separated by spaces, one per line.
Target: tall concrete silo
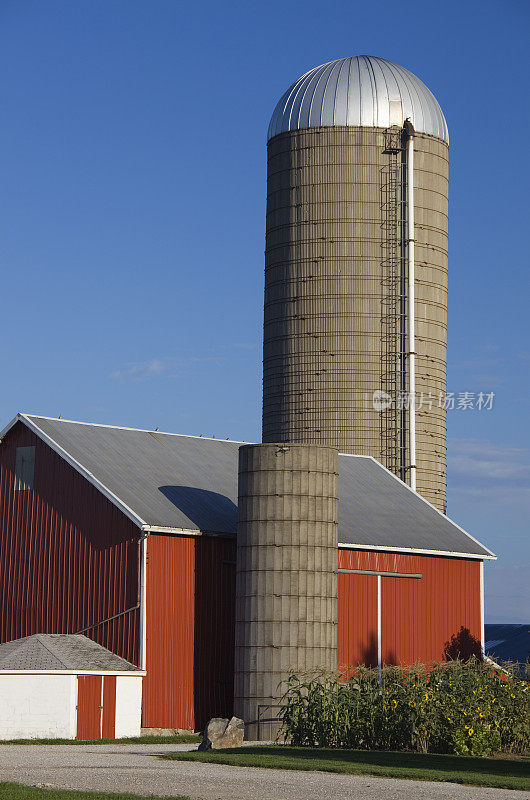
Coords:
pixel 356 237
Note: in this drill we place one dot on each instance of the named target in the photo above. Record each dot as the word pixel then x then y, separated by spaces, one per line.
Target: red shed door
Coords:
pixel 96 706
pixel 89 706
pixel 108 728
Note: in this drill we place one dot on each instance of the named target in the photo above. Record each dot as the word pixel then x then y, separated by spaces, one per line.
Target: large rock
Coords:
pixel 221 733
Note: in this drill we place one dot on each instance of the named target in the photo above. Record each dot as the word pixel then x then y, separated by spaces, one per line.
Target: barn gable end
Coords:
pixel 68 556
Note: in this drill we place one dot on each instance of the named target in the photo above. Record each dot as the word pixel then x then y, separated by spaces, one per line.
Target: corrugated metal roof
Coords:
pixel 361 90
pixel 60 651
pixel 170 481
pixel 165 479
pixel 376 507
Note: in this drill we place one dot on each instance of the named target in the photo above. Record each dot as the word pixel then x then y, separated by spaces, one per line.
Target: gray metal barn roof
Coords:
pixel 361 91
pixel 164 480
pixel 60 651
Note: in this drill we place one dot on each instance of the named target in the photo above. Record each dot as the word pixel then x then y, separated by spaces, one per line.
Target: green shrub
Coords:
pixel 455 707
pixel 479 741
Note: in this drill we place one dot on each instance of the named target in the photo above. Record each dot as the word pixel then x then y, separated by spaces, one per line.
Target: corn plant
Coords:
pixel 454 707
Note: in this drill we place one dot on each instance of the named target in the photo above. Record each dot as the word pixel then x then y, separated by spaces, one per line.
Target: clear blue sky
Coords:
pixel 132 213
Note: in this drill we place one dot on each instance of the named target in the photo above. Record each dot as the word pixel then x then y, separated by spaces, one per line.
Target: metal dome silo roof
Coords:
pixel 361 90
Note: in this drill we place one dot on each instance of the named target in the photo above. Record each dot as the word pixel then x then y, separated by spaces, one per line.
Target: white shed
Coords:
pixel 65 686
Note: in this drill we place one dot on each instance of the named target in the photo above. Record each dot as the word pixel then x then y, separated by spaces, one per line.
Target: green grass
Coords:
pixel 498 773
pixel 16 791
pixel 181 738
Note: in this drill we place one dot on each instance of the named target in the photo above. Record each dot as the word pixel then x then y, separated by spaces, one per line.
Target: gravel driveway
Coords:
pixel 136 768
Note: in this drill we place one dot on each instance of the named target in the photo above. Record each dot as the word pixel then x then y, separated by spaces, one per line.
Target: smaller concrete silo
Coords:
pixel 286 583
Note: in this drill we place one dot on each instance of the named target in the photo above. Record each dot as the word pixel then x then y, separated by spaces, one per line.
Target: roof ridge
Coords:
pixel 21 415
pixel 25 415
pixel 50 650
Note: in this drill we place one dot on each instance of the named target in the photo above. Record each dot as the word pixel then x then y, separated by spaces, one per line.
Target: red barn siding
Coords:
pixel 215 596
pixel 68 557
pixel 418 616
pixel 190 630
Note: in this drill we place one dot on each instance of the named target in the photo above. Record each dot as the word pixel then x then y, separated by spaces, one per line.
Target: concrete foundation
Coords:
pixel 286 584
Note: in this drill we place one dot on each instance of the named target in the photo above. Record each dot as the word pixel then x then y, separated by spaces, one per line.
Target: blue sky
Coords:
pixel 132 213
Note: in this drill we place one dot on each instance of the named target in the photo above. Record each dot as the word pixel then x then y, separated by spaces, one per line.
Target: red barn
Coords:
pixel 129 537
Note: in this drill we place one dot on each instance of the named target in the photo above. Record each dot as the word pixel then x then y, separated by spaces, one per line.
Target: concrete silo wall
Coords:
pixel 286 580
pixel 322 330
pixel 431 168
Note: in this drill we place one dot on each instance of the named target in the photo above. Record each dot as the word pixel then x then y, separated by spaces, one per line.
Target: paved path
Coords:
pixel 136 768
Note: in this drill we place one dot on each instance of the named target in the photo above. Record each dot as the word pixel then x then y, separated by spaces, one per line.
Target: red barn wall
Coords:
pixel 418 616
pixel 68 557
pixel 190 586
pixel 190 619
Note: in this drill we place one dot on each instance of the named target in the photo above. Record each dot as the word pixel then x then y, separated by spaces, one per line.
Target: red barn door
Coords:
pixel 108 726
pixel 357 633
pixel 399 620
pixel 96 706
pixel 89 703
